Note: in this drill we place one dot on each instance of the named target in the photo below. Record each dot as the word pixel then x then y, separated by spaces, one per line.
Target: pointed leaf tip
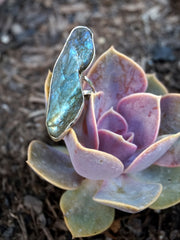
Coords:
pixel 116 145
pixel 119 125
pixel 155 86
pixel 142 113
pixel 117 76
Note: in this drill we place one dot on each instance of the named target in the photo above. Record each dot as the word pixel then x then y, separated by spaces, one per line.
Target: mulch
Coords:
pixel 32 34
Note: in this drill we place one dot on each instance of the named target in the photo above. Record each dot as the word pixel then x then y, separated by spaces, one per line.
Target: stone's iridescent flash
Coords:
pixel 66 98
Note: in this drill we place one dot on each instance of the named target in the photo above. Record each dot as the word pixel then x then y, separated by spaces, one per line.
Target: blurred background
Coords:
pixel 32 34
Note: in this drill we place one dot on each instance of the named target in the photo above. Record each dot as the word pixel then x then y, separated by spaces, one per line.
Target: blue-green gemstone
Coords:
pixel 66 99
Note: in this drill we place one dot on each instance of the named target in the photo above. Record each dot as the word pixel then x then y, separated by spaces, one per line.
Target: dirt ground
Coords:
pixel 32 34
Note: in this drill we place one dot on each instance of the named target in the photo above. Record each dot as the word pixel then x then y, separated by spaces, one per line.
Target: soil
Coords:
pixel 32 34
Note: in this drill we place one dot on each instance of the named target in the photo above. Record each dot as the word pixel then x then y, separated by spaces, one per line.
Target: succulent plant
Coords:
pixel 123 152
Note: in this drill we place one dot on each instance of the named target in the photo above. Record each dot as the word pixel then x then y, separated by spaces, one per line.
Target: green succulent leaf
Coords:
pixel 155 86
pixel 83 216
pixel 170 180
pixel 170 113
pixel 128 194
pixel 53 165
pixel 47 85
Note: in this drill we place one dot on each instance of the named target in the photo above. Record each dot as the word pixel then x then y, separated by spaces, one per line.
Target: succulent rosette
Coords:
pixel 123 152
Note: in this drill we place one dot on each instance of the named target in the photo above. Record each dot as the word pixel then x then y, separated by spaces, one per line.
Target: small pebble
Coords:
pixel 34 203
pixel 5 107
pixel 8 233
pixel 16 29
pixel 101 40
pixel 41 220
pixel 5 39
pixel 175 234
pixel 162 235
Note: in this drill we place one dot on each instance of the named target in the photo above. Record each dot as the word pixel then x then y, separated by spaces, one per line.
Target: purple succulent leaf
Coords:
pixel 53 166
pixel 90 163
pixel 142 113
pixel 116 145
pixel 151 154
pixel 170 114
pixel 117 76
pixel 172 157
pixel 99 101
pixel 127 194
pixel 85 127
pixel 113 121
pixel 129 136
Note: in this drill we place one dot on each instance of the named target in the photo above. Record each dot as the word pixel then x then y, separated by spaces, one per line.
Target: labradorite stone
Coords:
pixel 66 99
